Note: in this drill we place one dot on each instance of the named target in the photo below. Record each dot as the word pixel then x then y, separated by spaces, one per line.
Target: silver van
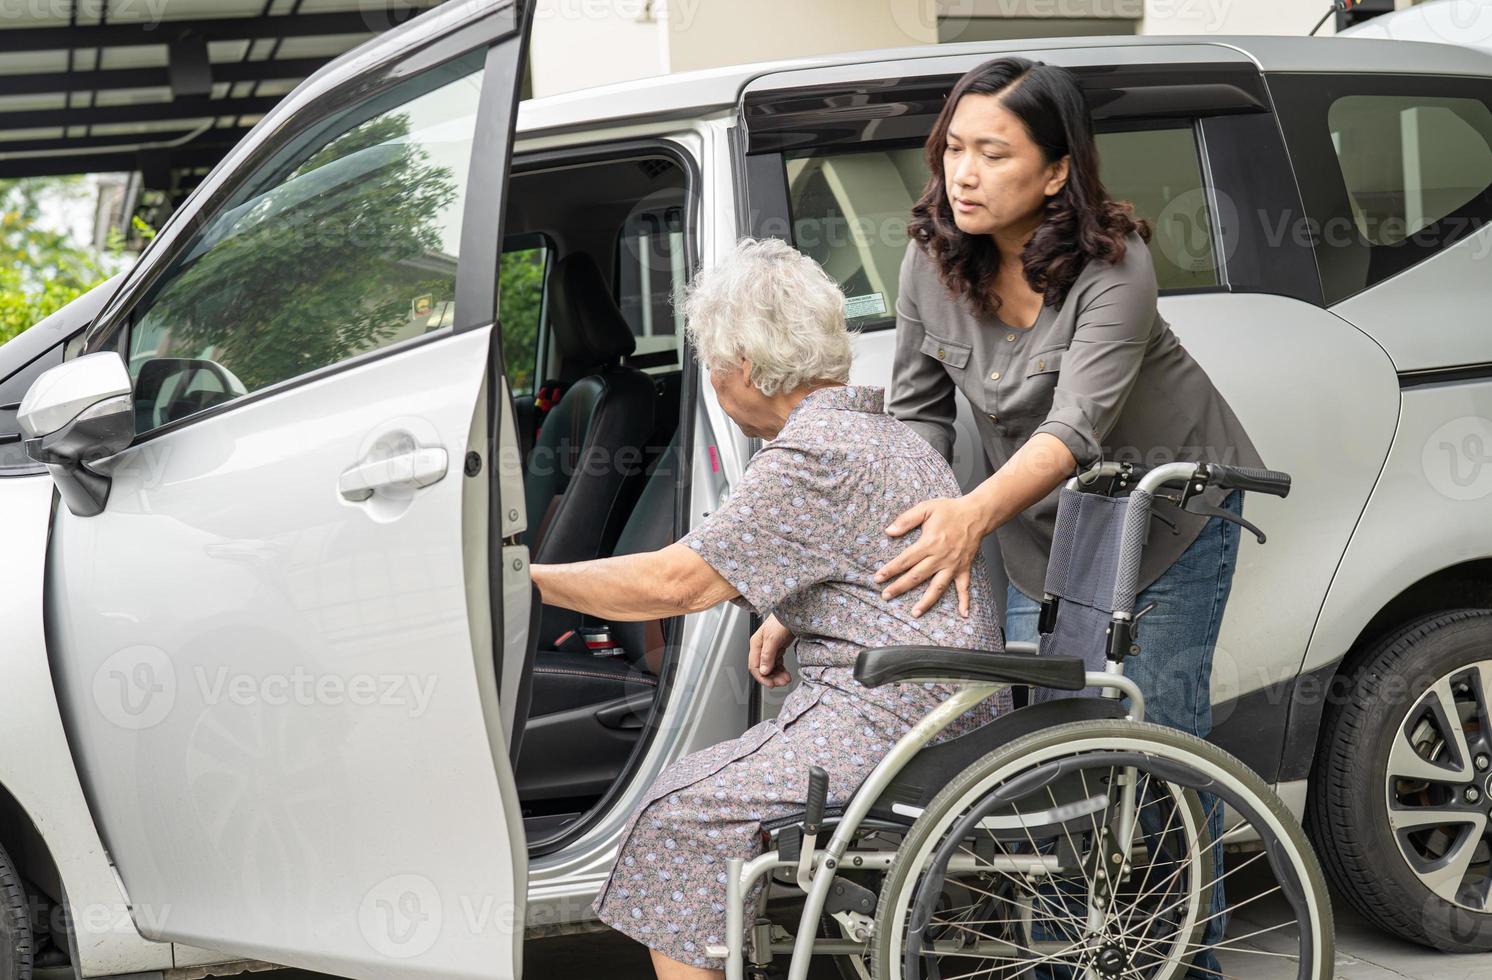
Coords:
pixel 274 686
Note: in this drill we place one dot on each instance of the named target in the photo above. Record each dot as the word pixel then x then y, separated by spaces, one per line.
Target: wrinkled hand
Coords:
pixel 944 552
pixel 767 646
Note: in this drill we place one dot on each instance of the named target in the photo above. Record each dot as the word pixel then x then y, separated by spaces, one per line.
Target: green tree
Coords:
pixel 320 266
pixel 41 271
pixel 522 285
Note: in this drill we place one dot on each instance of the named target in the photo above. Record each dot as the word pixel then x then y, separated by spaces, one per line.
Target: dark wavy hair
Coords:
pixel 1079 223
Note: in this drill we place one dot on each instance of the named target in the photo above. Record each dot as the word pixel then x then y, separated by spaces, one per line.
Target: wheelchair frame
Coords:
pixel 817 867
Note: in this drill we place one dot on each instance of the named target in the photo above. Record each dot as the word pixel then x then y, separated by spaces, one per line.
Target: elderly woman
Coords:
pixel 800 539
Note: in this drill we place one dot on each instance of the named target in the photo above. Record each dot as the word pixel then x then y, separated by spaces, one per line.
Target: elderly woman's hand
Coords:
pixel 767 646
pixel 952 528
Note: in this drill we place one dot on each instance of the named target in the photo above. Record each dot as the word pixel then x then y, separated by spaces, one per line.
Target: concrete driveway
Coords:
pixel 1363 951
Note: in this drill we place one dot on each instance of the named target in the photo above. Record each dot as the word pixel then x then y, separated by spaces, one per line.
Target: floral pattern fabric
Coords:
pixel 801 537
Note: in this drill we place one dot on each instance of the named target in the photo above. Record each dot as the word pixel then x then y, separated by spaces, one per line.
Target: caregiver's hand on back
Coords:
pixel 952 528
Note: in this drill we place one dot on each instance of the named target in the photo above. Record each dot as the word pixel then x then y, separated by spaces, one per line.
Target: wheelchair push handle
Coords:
pixel 1248 478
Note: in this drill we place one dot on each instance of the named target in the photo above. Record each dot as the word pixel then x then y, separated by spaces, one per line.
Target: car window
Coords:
pixel 849 211
pixel 1409 162
pixel 525 274
pixel 346 241
pixel 650 267
pixel 1392 169
pixel 12 454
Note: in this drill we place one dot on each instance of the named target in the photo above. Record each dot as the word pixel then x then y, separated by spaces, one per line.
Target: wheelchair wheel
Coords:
pixel 1094 850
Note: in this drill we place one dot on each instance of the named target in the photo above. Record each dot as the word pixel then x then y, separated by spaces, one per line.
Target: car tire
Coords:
pixel 1394 866
pixel 16 949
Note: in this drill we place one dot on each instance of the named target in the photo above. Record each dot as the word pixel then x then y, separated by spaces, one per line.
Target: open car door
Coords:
pixel 277 645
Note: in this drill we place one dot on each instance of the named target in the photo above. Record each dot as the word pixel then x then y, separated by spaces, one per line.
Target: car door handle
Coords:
pixel 411 470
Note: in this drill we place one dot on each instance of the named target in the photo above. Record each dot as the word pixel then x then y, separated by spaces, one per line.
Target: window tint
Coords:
pixel 1391 168
pixel 1160 172
pixel 1409 162
pixel 525 271
pixel 346 241
pixel 650 267
pixel 849 211
pixel 12 454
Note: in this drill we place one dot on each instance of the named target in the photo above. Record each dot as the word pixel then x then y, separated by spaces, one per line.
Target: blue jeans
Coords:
pixel 1174 666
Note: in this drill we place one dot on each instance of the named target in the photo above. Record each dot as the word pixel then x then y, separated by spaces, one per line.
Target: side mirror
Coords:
pixel 75 414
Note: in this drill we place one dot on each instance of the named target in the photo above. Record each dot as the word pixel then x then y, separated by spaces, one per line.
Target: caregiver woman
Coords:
pixel 1032 292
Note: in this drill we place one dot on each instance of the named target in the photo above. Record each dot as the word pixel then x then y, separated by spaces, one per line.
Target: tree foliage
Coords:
pixel 41 270
pixel 323 265
pixel 522 285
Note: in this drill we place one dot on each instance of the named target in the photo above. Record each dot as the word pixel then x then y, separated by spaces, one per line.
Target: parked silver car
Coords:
pixel 271 667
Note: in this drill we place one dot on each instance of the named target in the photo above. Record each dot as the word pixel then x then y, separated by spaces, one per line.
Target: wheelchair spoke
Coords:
pixel 1238 905
pixel 1056 911
pixel 1181 866
pixel 1136 893
pixel 1150 867
pixel 1221 878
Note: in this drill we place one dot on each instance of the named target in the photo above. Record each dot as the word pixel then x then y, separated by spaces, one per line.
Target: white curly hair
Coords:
pixel 771 304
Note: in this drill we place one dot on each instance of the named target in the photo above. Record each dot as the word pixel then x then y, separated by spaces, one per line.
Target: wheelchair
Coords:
pixel 1069 839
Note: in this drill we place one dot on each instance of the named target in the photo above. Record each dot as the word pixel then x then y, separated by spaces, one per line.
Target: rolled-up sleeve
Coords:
pixel 922 393
pixel 1112 329
pixel 769 539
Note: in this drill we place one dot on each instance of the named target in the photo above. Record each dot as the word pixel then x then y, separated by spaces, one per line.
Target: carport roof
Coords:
pixel 164 87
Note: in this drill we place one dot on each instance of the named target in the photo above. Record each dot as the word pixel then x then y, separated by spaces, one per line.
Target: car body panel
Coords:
pixel 42 777
pixel 1429 511
pixel 271 690
pixel 1423 316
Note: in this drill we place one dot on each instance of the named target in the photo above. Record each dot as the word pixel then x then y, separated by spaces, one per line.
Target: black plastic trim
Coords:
pixel 1461 374
pixel 1248 174
pixel 903 108
pixel 1311 692
pixel 1252 727
pixel 478 265
pixel 889 665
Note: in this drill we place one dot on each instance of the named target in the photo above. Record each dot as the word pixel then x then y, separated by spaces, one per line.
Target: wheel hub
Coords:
pixel 1111 960
pixel 1439 786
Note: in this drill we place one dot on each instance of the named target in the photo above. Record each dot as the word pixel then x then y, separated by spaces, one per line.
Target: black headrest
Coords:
pixel 588 326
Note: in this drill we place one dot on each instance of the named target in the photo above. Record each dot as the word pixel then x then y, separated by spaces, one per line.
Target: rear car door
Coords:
pixel 278 647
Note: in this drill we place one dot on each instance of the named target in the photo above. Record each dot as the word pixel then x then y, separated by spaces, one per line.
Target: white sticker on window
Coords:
pixel 869 304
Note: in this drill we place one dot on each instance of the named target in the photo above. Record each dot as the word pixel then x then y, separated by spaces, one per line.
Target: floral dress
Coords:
pixel 801 537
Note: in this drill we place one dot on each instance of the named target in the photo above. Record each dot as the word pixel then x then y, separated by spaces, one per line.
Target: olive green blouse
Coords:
pixel 1104 373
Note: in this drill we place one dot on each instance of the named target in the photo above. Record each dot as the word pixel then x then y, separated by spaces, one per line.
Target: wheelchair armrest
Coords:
pixel 890 665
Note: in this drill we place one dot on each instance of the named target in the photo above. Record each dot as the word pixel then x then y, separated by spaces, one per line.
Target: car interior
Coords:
pixel 592 254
